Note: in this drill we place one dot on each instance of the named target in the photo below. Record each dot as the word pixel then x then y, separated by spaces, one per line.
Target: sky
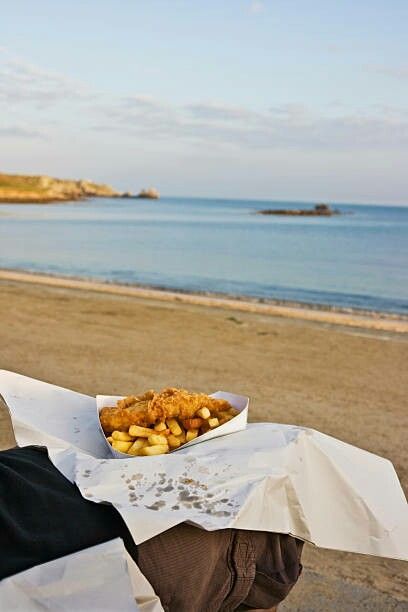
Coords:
pixel 264 99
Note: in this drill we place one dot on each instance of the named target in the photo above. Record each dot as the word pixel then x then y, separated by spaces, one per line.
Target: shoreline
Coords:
pixel 372 320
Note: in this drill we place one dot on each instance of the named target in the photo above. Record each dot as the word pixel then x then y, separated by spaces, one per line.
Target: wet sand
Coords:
pixel 339 316
pixel 346 380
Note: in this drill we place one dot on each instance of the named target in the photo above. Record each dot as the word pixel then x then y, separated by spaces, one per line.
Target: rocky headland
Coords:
pixel 25 189
pixel 320 210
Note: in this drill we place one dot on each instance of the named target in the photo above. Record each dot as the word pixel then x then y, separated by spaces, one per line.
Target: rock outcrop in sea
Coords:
pixel 320 210
pixel 151 194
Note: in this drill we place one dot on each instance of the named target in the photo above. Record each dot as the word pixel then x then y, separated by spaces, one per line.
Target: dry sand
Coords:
pixel 347 381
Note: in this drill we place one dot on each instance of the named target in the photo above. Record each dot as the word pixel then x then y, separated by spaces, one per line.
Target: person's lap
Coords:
pixel 44 517
pixel 220 570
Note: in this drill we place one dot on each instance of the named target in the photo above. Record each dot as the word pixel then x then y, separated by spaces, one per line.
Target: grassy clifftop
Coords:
pixel 17 188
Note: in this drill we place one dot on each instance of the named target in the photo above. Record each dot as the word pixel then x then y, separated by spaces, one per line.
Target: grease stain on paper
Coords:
pixel 156 491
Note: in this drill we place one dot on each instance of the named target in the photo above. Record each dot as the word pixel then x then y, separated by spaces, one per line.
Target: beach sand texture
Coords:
pixel 347 381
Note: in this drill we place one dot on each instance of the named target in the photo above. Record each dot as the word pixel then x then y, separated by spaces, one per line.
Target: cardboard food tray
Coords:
pixel 238 423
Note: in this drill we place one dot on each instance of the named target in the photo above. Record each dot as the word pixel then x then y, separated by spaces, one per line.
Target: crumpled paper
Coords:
pixel 102 577
pixel 269 477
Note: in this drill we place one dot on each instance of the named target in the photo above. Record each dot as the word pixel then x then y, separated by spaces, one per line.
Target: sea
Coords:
pixel 356 260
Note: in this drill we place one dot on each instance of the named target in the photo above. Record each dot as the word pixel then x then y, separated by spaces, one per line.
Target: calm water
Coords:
pixel 356 260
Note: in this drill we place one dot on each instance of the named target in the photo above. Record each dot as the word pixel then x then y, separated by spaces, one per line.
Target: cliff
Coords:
pixel 15 188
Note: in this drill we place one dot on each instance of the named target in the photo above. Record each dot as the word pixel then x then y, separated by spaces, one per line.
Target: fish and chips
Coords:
pixel 157 423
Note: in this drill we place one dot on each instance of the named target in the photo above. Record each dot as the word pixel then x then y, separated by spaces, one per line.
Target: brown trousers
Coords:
pixel 193 570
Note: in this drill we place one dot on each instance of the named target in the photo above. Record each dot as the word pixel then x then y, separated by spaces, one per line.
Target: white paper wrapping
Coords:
pixel 269 477
pixel 102 577
pixel 238 423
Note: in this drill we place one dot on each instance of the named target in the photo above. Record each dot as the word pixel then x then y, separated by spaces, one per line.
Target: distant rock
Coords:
pixel 323 209
pixel 150 194
pixel 320 210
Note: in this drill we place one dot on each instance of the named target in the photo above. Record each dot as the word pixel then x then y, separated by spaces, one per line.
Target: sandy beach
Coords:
pixel 341 374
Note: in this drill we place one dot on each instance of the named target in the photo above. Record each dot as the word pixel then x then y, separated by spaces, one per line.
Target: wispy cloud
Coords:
pixel 287 126
pixel 256 6
pixel 218 112
pixel 334 48
pixel 23 82
pixel 204 122
pixel 16 131
pixel 396 72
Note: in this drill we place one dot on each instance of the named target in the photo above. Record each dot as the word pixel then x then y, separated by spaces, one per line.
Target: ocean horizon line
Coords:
pixel 261 200
pixel 308 201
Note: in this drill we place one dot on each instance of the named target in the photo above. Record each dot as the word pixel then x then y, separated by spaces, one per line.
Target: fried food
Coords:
pixel 137 430
pixel 120 419
pixel 152 408
pixel 121 436
pixel 193 423
pixel 204 413
pixel 173 441
pixel 154 450
pixel 180 403
pixel 137 446
pixel 174 427
pixel 157 439
pixel 121 446
pixel 191 434
pixel 157 423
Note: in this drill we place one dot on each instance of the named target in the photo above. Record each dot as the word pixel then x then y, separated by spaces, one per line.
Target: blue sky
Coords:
pixel 259 98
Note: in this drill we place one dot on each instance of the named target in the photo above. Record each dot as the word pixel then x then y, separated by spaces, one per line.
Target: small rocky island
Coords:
pixel 320 210
pixel 149 194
